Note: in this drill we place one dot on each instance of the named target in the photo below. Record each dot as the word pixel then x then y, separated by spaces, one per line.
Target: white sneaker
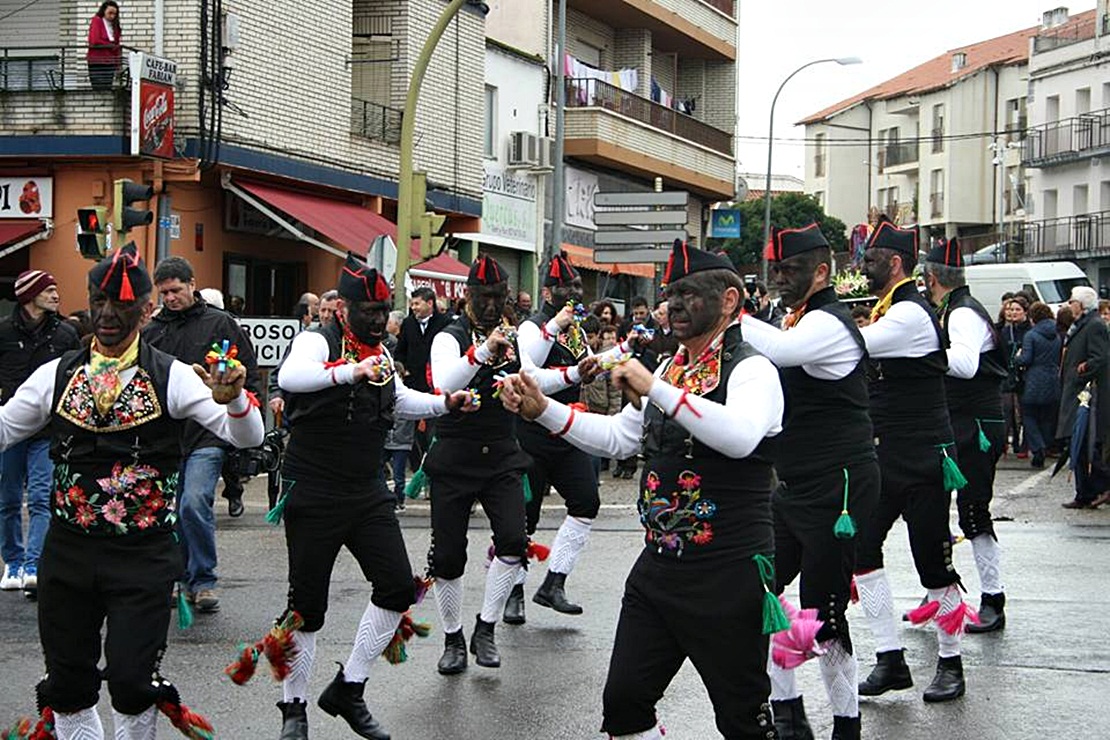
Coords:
pixel 30 578
pixel 13 578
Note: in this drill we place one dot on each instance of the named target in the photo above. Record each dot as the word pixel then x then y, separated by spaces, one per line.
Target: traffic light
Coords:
pixel 430 225
pixel 124 217
pixel 92 232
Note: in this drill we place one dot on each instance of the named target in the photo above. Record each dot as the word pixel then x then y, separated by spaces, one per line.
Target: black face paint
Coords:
pixel 114 321
pixel 367 320
pixel 486 303
pixel 690 312
pixel 571 292
pixel 792 280
pixel 877 269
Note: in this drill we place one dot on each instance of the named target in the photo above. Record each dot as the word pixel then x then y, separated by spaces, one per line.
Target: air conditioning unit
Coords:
pixel 524 149
pixel 547 154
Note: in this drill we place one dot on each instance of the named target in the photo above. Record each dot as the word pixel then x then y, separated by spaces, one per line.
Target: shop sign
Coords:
pixel 509 204
pixel 452 290
pixel 270 337
pixel 26 197
pixel 152 87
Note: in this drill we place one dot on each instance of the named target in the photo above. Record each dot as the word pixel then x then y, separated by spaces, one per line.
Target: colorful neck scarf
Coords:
pixel 700 376
pixel 104 374
pixel 884 305
pixel 354 349
pixel 791 319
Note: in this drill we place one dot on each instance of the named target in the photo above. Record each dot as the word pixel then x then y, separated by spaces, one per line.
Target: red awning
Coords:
pixel 443 267
pixel 345 223
pixel 584 257
pixel 18 229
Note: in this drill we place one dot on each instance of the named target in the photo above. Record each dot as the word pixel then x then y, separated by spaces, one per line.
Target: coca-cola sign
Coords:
pixel 153 80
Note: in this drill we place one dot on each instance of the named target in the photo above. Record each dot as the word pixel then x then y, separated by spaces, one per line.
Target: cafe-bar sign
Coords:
pixel 152 83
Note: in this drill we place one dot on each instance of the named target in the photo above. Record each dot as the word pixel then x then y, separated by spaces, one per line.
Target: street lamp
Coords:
pixel 770 143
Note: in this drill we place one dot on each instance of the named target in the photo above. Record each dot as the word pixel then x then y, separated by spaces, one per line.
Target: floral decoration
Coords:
pixel 851 284
pixel 677 519
pixel 132 498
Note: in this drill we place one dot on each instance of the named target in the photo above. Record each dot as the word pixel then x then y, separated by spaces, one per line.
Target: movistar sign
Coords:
pixel 724 224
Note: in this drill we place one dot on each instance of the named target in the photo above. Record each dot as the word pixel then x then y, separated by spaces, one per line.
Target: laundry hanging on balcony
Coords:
pixel 664 98
pixel 582 76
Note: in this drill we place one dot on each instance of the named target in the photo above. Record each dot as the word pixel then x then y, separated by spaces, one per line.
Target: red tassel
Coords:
pixel 125 291
pixel 395 652
pixel 925 612
pixel 482 269
pixel 192 725
pixel 423 584
pixel 242 670
pixel 954 621
pixel 277 646
pixel 536 551
pixel 853 591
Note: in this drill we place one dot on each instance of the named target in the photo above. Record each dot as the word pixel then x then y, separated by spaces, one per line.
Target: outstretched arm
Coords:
pixel 28 410
pixel 238 422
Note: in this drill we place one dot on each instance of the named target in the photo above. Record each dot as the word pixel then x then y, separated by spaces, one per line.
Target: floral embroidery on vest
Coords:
pixel 702 375
pixel 136 404
pixel 679 519
pixel 132 499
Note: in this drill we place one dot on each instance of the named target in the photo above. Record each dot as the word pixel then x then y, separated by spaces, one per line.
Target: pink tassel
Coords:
pixel 422 585
pixel 790 610
pixel 925 612
pixel 853 591
pixel 954 621
pixel 793 647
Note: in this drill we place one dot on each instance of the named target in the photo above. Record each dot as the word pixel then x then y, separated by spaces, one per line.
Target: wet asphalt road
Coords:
pixel 1047 675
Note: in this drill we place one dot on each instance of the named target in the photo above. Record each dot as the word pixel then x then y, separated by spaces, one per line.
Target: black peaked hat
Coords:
pixel 787 243
pixel 888 236
pixel 121 275
pixel 486 271
pixel 946 253
pixel 559 271
pixel 686 260
pixel 359 282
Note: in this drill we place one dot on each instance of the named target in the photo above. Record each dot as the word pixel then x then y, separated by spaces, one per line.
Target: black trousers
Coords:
pixel 319 522
pixel 88 582
pixel 461 473
pixel 805 511
pixel 567 468
pixel 710 613
pixel 912 488
pixel 973 501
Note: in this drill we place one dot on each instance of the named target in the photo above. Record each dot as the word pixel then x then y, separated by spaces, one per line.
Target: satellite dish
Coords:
pixel 741 189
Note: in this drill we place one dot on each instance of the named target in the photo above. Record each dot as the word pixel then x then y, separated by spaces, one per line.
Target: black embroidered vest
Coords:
pixel 117 474
pixel 491 422
pixel 338 433
pixel 564 352
pixel 979 396
pixel 695 503
pixel 827 424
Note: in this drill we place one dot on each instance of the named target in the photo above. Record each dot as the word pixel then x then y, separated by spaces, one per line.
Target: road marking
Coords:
pixel 1029 483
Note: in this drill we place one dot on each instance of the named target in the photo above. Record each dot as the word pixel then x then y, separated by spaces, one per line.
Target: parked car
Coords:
pixel 1050 282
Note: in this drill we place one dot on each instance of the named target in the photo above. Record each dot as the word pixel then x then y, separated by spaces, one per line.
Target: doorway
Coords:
pixel 268 288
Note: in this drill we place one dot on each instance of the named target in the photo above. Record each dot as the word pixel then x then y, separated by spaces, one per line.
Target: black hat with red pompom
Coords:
pixel 947 253
pixel 787 243
pixel 359 282
pixel 121 275
pixel 686 260
pixel 559 271
pixel 888 236
pixel 486 271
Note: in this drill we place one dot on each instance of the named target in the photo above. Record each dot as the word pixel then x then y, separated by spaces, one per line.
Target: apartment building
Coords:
pixel 915 147
pixel 286 126
pixel 1067 152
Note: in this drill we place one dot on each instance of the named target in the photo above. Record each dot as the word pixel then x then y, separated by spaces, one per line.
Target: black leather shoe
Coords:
pixel 235 507
pixel 343 698
pixel 846 728
pixel 483 646
pixel 948 684
pixel 552 594
pixel 294 720
pixel 514 607
pixel 454 654
pixel 790 719
pixel 889 674
pixel 992 614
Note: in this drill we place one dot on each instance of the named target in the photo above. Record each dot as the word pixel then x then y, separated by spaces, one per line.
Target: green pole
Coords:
pixel 405 206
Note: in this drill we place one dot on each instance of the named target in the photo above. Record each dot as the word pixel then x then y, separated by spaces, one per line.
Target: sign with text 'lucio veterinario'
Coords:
pixel 270 336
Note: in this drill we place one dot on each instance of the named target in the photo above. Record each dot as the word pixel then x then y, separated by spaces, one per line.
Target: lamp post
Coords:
pixel 770 145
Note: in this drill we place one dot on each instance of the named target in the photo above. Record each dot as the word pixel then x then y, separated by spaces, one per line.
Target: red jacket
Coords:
pixel 102 50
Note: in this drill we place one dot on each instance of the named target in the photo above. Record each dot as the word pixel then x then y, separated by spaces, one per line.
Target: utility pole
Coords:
pixel 559 196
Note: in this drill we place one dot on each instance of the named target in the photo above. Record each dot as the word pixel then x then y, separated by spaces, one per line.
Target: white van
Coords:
pixel 1050 282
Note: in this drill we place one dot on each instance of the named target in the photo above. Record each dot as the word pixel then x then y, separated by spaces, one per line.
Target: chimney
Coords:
pixel 1055 17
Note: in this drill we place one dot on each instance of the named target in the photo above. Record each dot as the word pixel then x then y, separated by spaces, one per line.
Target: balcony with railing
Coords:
pixel 692 28
pixel 375 121
pixel 1085 235
pixel 819 164
pixel 895 158
pixel 619 129
pixel 936 205
pixel 1069 140
pixel 938 140
pixel 1069 33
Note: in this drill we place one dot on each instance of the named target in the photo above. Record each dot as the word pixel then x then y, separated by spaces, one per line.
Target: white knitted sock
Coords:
pixel 988 559
pixel 136 726
pixel 449 595
pixel 569 542
pixel 655 733
pixel 499 582
pixel 950 598
pixel 784 685
pixel 374 633
pixel 877 601
pixel 295 685
pixel 83 724
pixel 840 672
pixel 522 577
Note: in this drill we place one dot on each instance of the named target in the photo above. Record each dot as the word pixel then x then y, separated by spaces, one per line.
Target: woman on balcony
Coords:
pixel 104 46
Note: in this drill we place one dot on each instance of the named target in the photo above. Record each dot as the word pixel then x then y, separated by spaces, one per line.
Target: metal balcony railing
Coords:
pixel 376 121
pixel 586 93
pixel 936 205
pixel 899 154
pixel 728 7
pixel 819 165
pixel 938 140
pixel 1071 32
pixel 57 69
pixel 1061 142
pixel 1087 233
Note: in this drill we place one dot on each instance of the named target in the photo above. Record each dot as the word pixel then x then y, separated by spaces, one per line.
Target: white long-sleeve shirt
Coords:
pixel 535 345
pixel 753 410
pixel 821 345
pixel 305 370
pixel 187 397
pixel 906 330
pixel 968 336
pixel 452 370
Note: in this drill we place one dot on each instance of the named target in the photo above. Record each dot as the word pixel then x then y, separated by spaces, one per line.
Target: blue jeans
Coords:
pixel 196 495
pixel 399 459
pixel 28 461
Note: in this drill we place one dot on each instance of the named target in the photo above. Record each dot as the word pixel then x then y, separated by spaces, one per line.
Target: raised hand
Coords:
pixel 227 385
pixel 521 395
pixel 463 401
pixel 588 369
pixel 633 378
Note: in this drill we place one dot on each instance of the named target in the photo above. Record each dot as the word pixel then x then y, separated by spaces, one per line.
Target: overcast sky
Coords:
pixel 778 36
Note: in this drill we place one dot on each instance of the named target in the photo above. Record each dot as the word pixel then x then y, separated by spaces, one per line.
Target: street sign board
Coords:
pixel 639 236
pixel 625 256
pixel 638 218
pixel 672 199
pixel 270 337
pixel 724 223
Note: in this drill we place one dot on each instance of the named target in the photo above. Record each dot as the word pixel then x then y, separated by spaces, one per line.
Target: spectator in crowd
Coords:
pixel 186 329
pixel 213 297
pixel 236 305
pixel 601 396
pixel 414 345
pixel 1006 298
pixel 768 310
pixel 1040 397
pixel 329 301
pixel 1013 334
pixel 393 330
pixel 523 306
pixel 638 313
pixel 1064 320
pixel 606 313
pixel 663 344
pixel 1104 310
pixel 307 309
pixel 861 315
pixel 105 37
pixel 31 337
pixel 1086 367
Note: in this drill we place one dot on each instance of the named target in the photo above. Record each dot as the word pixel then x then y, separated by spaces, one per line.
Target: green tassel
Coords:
pixel 184 611
pixel 845 528
pixel 417 484
pixel 954 479
pixel 273 516
pixel 984 443
pixel 527 489
pixel 774 618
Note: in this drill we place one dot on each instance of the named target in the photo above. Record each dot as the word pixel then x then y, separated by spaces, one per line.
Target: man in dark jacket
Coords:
pixel 32 336
pixel 186 328
pixel 414 346
pixel 1086 377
